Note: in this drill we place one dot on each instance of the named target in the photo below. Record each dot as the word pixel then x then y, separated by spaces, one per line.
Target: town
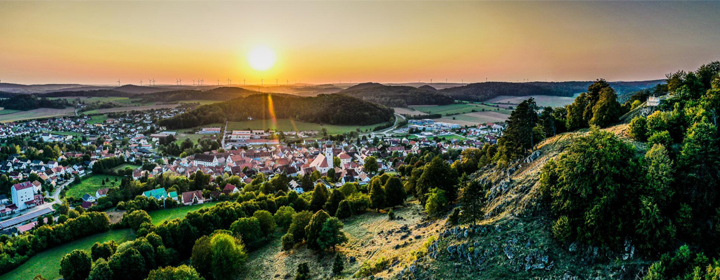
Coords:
pixel 34 187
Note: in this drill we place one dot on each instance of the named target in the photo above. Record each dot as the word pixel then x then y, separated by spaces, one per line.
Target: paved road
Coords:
pixel 387 131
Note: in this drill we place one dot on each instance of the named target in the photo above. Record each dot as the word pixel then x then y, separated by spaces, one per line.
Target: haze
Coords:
pixel 330 42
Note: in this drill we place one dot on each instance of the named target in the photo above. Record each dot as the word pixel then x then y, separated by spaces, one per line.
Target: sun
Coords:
pixel 261 58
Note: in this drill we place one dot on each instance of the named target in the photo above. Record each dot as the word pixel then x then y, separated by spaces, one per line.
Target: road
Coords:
pixel 387 131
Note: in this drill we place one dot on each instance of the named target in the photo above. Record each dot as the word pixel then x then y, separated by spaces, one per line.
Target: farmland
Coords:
pixel 90 185
pixel 47 263
pixel 541 100
pixel 466 113
pixel 36 114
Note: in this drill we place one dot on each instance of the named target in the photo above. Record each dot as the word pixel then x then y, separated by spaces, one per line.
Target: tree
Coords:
pixel 228 256
pixel 300 221
pixel 313 229
pixel 250 230
pixel 344 210
pixel 103 250
pixel 699 165
pixel 660 138
pixel 607 110
pixel 594 184
pixel 267 223
pixel 331 234
pixel 283 216
pixel 638 129
pixel 76 265
pixel 435 201
pixel 348 188
pixel 183 272
pixel 332 204
pixel 338 265
pixel 437 174
pixel 288 241
pixel 101 271
pixel 201 256
pixel 319 197
pixel 136 218
pixel 303 272
pixel 371 165
pixel 377 195
pixel 394 191
pixel 472 200
pixel 519 136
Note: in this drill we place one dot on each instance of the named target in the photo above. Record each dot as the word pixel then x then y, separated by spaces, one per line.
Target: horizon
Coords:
pixel 97 43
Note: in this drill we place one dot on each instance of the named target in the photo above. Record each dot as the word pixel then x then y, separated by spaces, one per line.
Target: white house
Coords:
pixel 22 193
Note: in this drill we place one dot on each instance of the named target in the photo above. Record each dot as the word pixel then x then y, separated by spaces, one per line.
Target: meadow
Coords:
pixel 36 114
pixel 160 216
pixel 541 100
pixel 90 185
pixel 458 108
pixel 47 263
pixel 97 119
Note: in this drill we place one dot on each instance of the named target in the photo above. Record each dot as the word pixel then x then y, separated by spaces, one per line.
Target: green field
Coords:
pixel 292 125
pixel 159 216
pixel 75 134
pixel 123 166
pixel 47 263
pixel 5 112
pixel 89 100
pixel 97 119
pixel 194 137
pixel 90 185
pixel 462 108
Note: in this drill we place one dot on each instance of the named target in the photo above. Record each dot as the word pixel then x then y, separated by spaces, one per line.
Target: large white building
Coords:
pixel 22 193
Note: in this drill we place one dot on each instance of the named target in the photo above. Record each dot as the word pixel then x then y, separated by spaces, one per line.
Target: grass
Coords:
pixel 47 263
pixel 123 166
pixel 194 137
pixel 90 185
pixel 459 108
pixel 160 216
pixel 36 114
pixel 97 119
pixel 293 125
pixel 368 242
pixel 7 111
pixel 71 133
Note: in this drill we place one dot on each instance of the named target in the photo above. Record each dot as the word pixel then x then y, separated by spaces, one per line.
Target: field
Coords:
pixel 541 100
pixel 460 108
pixel 8 111
pixel 292 125
pixel 371 236
pixel 159 216
pixel 36 114
pixel 408 111
pixel 97 119
pixel 122 167
pixel 74 134
pixel 194 137
pixel 90 185
pixel 131 108
pixel 475 118
pixel 47 263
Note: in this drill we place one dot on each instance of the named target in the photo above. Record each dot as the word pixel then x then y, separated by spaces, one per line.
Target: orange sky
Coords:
pixel 328 42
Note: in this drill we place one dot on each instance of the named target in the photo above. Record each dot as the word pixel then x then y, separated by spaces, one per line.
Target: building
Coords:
pixel 193 197
pixel 159 194
pixel 23 193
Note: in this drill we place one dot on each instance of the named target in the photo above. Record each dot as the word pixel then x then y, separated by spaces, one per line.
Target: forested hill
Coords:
pixel 489 90
pixel 327 109
pixel 220 94
pixel 26 102
pixel 397 96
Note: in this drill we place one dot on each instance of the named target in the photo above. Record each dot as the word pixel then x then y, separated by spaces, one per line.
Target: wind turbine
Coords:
pixel 154 81
pixel 243 82
pixel 180 82
pixel 140 82
pixel 193 82
pixel 229 81
pixel 118 82
pixel 149 82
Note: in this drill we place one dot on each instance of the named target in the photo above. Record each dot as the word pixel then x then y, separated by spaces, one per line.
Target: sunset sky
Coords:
pixel 328 42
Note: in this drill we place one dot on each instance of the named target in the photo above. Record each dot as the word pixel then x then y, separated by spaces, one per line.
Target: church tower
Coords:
pixel 329 154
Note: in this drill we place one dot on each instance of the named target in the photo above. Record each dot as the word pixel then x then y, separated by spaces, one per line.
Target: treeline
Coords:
pixel 397 96
pixel 71 226
pixel 655 199
pixel 104 165
pixel 326 109
pixel 489 90
pixel 422 117
pixel 219 94
pixel 26 102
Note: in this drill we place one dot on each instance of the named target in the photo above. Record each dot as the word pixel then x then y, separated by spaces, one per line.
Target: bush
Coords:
pixel 662 138
pixel 638 129
pixel 391 214
pixel 288 241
